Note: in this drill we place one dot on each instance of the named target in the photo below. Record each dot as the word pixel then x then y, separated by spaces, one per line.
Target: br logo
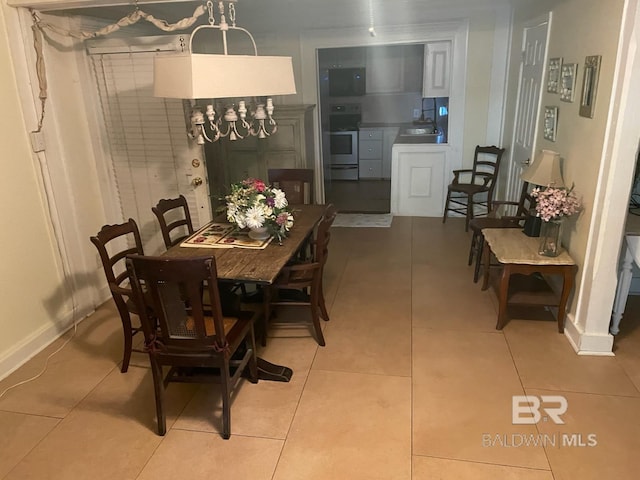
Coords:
pixel 526 409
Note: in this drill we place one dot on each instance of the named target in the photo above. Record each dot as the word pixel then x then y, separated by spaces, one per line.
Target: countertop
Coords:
pixel 417 139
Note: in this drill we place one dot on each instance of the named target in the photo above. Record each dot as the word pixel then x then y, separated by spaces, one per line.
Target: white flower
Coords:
pixel 255 217
pixel 280 199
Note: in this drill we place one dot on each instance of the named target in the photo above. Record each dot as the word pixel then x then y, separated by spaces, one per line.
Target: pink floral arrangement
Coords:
pixel 553 203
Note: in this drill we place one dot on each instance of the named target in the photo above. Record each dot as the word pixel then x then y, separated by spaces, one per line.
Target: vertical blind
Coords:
pixel 147 141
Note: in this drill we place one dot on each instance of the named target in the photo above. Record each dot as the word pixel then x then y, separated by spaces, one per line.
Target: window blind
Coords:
pixel 148 145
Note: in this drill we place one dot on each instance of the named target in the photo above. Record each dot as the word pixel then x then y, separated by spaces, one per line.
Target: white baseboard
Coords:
pixel 33 344
pixel 587 344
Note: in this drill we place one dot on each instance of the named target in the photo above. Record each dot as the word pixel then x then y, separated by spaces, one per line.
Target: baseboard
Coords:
pixel 587 344
pixel 33 344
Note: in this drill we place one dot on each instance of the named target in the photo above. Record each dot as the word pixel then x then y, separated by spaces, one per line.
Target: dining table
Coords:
pixel 260 266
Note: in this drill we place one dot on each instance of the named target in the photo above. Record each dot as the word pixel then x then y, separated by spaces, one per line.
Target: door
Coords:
pixel 529 97
pixel 150 154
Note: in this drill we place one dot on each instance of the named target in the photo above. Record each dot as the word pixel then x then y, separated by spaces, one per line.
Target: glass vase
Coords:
pixel 550 238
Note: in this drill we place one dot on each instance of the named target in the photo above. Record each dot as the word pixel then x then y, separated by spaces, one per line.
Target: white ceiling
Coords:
pixel 298 15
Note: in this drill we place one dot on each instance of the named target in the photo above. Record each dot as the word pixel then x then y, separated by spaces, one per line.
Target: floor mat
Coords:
pixel 363 220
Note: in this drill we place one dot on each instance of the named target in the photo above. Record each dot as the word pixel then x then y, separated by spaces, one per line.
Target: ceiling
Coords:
pixel 298 15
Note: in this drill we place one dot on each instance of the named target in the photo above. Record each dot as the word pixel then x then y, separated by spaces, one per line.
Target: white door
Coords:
pixel 151 155
pixel 529 98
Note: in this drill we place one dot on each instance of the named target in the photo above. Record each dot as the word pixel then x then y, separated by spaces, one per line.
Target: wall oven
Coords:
pixel 343 141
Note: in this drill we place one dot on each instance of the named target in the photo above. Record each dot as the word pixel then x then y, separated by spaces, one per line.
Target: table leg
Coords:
pixel 622 291
pixel 567 284
pixel 503 293
pixel 486 260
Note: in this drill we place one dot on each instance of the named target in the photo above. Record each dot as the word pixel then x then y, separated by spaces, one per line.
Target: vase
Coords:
pixel 260 233
pixel 550 238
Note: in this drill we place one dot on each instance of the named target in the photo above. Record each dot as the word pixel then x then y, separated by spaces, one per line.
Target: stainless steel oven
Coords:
pixel 343 141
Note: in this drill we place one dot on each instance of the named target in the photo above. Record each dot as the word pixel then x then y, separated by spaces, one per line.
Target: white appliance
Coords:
pixel 343 141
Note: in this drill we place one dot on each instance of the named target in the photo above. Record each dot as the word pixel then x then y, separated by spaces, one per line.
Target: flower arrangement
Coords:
pixel 553 203
pixel 253 204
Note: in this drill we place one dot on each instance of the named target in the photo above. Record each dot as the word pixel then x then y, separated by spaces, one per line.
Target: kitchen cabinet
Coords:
pixel 292 146
pixel 394 69
pixel 389 135
pixel 437 69
pixel 418 179
pixel 370 152
pixel 347 57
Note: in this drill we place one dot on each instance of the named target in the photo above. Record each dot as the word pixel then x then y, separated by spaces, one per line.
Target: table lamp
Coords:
pixel 543 172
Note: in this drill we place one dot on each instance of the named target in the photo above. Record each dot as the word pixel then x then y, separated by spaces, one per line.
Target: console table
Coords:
pixel 522 281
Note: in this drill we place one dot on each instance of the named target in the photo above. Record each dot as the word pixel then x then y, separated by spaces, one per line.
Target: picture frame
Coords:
pixel 550 126
pixel 568 81
pixel 589 85
pixel 553 74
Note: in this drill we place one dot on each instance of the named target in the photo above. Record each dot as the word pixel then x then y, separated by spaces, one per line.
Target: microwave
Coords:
pixel 347 82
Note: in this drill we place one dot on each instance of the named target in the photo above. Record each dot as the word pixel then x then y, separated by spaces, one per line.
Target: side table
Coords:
pixel 519 257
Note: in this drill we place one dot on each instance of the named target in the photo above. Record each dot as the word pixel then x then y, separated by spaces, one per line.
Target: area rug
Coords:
pixel 363 220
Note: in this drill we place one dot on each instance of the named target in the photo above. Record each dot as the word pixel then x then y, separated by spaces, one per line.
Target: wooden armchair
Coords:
pixel 304 279
pixel 523 207
pixel 194 340
pixel 461 196
pixel 114 243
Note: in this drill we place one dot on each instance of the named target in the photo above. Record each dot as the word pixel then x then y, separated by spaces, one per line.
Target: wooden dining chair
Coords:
pixel 192 339
pixel 114 243
pixel 296 183
pixel 300 283
pixel 480 180
pixel 523 208
pixel 174 219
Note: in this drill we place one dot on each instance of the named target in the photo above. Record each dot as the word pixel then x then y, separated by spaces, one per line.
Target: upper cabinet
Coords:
pixel 348 57
pixel 394 68
pixel 437 69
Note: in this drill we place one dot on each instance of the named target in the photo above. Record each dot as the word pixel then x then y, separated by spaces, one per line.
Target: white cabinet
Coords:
pixel 394 69
pixel 418 180
pixel 389 135
pixel 370 152
pixel 437 69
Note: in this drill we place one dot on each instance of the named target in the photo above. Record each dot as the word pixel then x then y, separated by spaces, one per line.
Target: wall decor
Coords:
pixel 553 74
pixel 550 123
pixel 568 81
pixel 589 85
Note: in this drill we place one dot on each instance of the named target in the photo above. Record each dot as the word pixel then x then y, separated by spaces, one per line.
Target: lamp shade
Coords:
pixel 545 170
pixel 199 75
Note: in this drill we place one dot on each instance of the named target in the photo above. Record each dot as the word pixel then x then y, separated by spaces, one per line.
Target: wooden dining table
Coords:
pixel 260 266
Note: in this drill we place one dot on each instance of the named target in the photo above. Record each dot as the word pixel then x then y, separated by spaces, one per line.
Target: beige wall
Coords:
pixel 579 28
pixel 30 280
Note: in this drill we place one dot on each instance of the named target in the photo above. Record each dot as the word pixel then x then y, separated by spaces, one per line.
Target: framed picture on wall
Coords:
pixel 568 81
pixel 550 126
pixel 553 74
pixel 589 85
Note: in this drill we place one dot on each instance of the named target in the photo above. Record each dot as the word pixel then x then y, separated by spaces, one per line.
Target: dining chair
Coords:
pixel 192 339
pixel 481 180
pixel 174 219
pixel 300 283
pixel 296 183
pixel 114 243
pixel 523 208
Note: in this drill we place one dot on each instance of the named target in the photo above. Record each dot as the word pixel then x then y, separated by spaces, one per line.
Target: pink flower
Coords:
pixel 555 202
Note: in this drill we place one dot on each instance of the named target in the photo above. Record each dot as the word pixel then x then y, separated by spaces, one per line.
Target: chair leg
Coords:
pixel 323 307
pixel 315 318
pixel 128 337
pixel 469 212
pixel 226 399
pixel 472 248
pixel 446 207
pixel 158 386
pixel 479 248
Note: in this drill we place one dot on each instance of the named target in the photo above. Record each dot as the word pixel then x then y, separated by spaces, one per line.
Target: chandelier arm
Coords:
pixel 218 27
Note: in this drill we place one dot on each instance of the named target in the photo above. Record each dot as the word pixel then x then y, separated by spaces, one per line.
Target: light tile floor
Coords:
pixel 413 381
